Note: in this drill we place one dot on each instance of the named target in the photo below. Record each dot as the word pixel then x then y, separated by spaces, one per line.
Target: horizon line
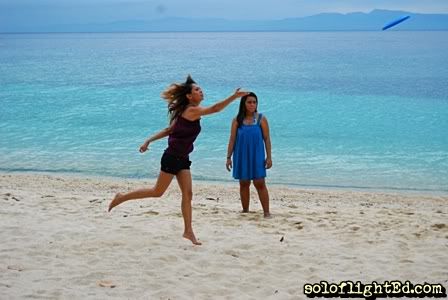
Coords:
pixel 219 31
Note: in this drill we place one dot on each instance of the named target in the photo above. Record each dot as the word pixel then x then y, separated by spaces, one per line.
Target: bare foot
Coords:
pixel 190 236
pixel 267 216
pixel 245 211
pixel 116 201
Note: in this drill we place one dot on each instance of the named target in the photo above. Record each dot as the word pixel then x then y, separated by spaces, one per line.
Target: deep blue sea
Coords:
pixel 346 109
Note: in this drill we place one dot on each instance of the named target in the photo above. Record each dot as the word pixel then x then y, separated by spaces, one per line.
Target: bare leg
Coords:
pixel 185 184
pixel 263 194
pixel 245 194
pixel 163 181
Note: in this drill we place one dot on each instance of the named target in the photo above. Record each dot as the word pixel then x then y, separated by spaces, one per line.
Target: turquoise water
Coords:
pixel 346 109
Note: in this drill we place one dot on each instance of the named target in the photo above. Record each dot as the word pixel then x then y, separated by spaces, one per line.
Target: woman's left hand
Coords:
pixel 268 163
pixel 238 93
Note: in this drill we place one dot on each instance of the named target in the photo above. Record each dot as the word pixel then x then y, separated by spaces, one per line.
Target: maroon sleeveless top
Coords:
pixel 181 138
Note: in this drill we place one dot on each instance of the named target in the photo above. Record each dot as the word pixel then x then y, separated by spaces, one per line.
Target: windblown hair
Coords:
pixel 242 111
pixel 176 96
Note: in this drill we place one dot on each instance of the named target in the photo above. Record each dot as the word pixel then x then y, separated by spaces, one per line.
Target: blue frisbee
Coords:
pixel 395 22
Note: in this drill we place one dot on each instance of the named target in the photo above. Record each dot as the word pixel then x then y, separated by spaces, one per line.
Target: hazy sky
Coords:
pixel 50 12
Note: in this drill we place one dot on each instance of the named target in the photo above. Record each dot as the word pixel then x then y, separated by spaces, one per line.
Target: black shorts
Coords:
pixel 173 164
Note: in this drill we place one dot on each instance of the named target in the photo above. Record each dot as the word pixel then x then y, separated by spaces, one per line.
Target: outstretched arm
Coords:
pixel 193 113
pixel 159 135
pixel 267 141
pixel 231 145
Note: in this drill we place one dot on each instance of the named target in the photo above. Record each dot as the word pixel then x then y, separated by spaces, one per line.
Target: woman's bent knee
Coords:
pixel 158 193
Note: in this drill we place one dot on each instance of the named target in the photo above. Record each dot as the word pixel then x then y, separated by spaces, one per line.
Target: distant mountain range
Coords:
pixel 357 21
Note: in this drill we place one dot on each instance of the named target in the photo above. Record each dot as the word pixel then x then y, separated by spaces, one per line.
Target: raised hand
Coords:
pixel 238 93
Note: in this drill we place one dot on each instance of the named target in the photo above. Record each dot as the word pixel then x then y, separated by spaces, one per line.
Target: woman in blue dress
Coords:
pixel 249 137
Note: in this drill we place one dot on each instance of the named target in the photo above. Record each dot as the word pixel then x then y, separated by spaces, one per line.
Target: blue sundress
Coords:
pixel 248 152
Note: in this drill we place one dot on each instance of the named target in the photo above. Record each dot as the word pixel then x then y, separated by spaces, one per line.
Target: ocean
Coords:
pixel 365 110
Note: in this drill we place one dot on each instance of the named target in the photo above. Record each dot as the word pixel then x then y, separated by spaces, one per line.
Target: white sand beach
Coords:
pixel 59 242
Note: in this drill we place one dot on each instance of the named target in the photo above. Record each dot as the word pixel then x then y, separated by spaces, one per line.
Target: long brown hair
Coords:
pixel 242 110
pixel 176 95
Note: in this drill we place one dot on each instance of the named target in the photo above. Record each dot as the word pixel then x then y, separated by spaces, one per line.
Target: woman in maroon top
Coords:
pixel 185 114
